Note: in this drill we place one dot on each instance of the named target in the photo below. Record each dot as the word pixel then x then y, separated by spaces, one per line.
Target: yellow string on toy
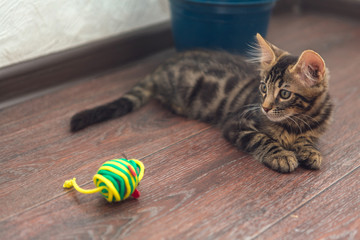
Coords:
pixel 116 179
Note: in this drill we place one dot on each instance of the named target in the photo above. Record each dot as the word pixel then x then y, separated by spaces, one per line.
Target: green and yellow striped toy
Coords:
pixel 116 180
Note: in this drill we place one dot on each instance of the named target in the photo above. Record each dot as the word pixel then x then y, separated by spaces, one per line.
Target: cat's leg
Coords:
pixel 262 147
pixel 306 153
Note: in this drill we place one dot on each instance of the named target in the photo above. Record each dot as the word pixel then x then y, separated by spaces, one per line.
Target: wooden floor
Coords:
pixel 196 186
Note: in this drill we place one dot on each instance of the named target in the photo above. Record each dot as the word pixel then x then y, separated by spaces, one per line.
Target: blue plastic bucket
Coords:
pixel 229 25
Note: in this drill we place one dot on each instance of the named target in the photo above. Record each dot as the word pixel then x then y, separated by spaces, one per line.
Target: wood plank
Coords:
pixel 206 188
pixel 47 146
pixel 338 215
pixel 348 8
pixel 312 31
pixel 46 164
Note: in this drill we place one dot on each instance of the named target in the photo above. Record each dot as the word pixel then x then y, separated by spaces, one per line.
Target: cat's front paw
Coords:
pixel 309 158
pixel 283 161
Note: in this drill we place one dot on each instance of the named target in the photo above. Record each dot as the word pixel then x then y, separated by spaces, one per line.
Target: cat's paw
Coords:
pixel 310 158
pixel 283 161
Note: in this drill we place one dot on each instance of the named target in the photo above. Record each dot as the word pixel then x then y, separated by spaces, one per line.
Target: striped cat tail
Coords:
pixel 138 96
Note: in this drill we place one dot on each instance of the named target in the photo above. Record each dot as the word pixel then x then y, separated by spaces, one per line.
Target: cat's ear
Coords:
pixel 310 68
pixel 267 55
pixel 268 52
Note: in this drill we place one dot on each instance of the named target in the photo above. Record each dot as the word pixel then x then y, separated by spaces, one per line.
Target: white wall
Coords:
pixel 33 28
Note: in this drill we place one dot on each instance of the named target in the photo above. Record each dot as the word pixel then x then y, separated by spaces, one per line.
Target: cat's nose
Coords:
pixel 266 109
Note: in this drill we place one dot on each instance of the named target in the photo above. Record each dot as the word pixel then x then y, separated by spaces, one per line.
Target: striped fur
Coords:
pixel 245 100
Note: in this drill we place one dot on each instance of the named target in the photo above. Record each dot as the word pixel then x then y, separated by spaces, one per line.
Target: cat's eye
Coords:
pixel 284 94
pixel 263 87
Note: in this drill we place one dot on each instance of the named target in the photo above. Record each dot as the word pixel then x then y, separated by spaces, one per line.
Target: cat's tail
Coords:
pixel 138 96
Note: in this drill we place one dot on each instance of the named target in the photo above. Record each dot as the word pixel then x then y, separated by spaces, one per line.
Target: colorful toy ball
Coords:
pixel 116 180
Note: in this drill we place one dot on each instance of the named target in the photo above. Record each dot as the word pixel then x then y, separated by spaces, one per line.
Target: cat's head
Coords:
pixel 290 85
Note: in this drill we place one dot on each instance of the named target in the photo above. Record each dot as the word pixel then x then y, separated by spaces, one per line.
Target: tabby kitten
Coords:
pixel 275 110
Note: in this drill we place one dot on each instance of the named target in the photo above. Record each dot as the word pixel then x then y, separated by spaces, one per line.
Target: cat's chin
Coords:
pixel 276 118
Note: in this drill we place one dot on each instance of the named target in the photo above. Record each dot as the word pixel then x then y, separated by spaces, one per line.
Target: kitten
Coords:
pixel 275 110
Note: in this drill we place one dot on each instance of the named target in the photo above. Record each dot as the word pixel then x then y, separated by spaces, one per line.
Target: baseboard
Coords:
pixel 62 67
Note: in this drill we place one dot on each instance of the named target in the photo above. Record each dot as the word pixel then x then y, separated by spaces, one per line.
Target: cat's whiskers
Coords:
pixel 245 115
pixel 290 118
pixel 247 111
pixel 310 118
pixel 307 124
pixel 250 105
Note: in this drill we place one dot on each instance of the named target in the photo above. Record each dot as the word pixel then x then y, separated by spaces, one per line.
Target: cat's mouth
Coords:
pixel 275 116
